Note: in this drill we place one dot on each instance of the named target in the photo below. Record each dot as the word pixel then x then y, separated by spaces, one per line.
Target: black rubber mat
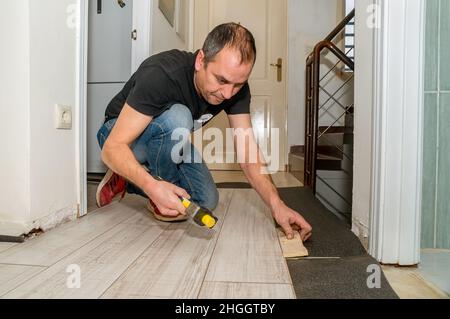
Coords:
pixel 337 266
pixel 344 278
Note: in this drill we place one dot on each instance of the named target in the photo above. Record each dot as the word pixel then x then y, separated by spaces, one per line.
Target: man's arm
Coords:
pixel 263 184
pixel 118 156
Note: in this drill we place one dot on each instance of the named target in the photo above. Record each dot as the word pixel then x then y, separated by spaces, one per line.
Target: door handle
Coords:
pixel 134 35
pixel 99 6
pixel 279 66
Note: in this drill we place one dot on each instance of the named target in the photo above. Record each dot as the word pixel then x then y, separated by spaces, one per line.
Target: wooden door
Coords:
pixel 267 20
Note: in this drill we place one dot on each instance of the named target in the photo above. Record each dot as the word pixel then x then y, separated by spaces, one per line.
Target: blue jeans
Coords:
pixel 153 149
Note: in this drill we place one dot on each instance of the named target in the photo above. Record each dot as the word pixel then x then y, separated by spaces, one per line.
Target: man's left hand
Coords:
pixel 288 219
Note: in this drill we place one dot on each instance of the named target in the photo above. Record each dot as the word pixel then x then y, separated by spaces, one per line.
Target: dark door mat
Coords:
pixel 234 185
pixel 331 237
pixel 344 278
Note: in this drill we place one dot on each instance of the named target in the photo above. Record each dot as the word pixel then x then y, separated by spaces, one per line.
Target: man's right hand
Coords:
pixel 117 155
pixel 166 197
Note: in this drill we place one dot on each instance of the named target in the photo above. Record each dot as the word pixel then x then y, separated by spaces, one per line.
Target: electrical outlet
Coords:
pixel 63 117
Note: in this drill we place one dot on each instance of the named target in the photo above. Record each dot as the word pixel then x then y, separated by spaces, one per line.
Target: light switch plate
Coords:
pixel 63 117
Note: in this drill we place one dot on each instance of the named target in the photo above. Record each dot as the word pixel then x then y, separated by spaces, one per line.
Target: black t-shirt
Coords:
pixel 166 79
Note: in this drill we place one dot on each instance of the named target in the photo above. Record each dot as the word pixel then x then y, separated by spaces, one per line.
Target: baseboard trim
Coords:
pixel 12 239
pixel 12 231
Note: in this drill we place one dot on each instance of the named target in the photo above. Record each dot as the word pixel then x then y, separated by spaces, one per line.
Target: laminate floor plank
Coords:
pixel 6 246
pixel 50 247
pixel 231 290
pixel 91 270
pixel 12 276
pixel 248 249
pixel 174 266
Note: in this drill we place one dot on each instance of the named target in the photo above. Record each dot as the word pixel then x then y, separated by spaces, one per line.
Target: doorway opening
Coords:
pixel 115 39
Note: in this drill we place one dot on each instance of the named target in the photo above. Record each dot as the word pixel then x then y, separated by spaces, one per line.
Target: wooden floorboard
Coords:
pixel 12 276
pixel 175 265
pixel 123 252
pixel 100 263
pixel 48 248
pixel 248 249
pixel 231 290
pixel 6 246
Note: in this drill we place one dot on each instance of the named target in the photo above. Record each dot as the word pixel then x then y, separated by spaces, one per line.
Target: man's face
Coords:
pixel 223 77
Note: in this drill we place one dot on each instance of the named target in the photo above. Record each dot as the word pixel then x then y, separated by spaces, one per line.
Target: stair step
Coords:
pixel 349 139
pixel 297 167
pixel 298 149
pixel 325 162
pixel 329 165
pixel 335 130
pixel 325 152
pixel 345 131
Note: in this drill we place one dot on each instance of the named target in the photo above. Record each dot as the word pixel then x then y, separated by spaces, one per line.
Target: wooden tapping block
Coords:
pixel 293 248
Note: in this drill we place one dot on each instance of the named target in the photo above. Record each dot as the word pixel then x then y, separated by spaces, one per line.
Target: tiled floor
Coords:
pixel 408 283
pixel 435 268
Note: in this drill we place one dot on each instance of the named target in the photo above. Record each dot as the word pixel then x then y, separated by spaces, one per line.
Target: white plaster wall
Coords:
pixel 52 77
pixel 14 117
pixel 310 21
pixel 363 120
pixel 164 36
pixel 39 166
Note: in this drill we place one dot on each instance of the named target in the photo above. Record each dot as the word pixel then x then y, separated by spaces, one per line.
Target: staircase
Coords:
pixel 325 162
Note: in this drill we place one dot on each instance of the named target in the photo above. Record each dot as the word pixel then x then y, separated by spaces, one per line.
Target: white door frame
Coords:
pixel 141 49
pixel 142 21
pixel 398 132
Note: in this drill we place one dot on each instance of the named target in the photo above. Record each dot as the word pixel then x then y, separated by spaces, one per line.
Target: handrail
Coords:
pixel 336 64
pixel 338 29
pixel 335 50
pixel 313 95
pixel 341 26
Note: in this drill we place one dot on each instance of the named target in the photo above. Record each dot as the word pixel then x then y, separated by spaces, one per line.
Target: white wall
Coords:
pixel 363 120
pixel 39 175
pixel 14 116
pixel 164 37
pixel 38 166
pixel 310 21
pixel 53 66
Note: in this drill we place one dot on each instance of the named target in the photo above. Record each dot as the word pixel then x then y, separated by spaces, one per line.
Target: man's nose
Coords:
pixel 227 91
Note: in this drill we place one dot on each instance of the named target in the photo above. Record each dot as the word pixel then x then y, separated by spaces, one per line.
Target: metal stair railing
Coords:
pixel 313 105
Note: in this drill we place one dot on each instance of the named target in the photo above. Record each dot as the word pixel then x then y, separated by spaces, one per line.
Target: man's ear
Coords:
pixel 200 60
